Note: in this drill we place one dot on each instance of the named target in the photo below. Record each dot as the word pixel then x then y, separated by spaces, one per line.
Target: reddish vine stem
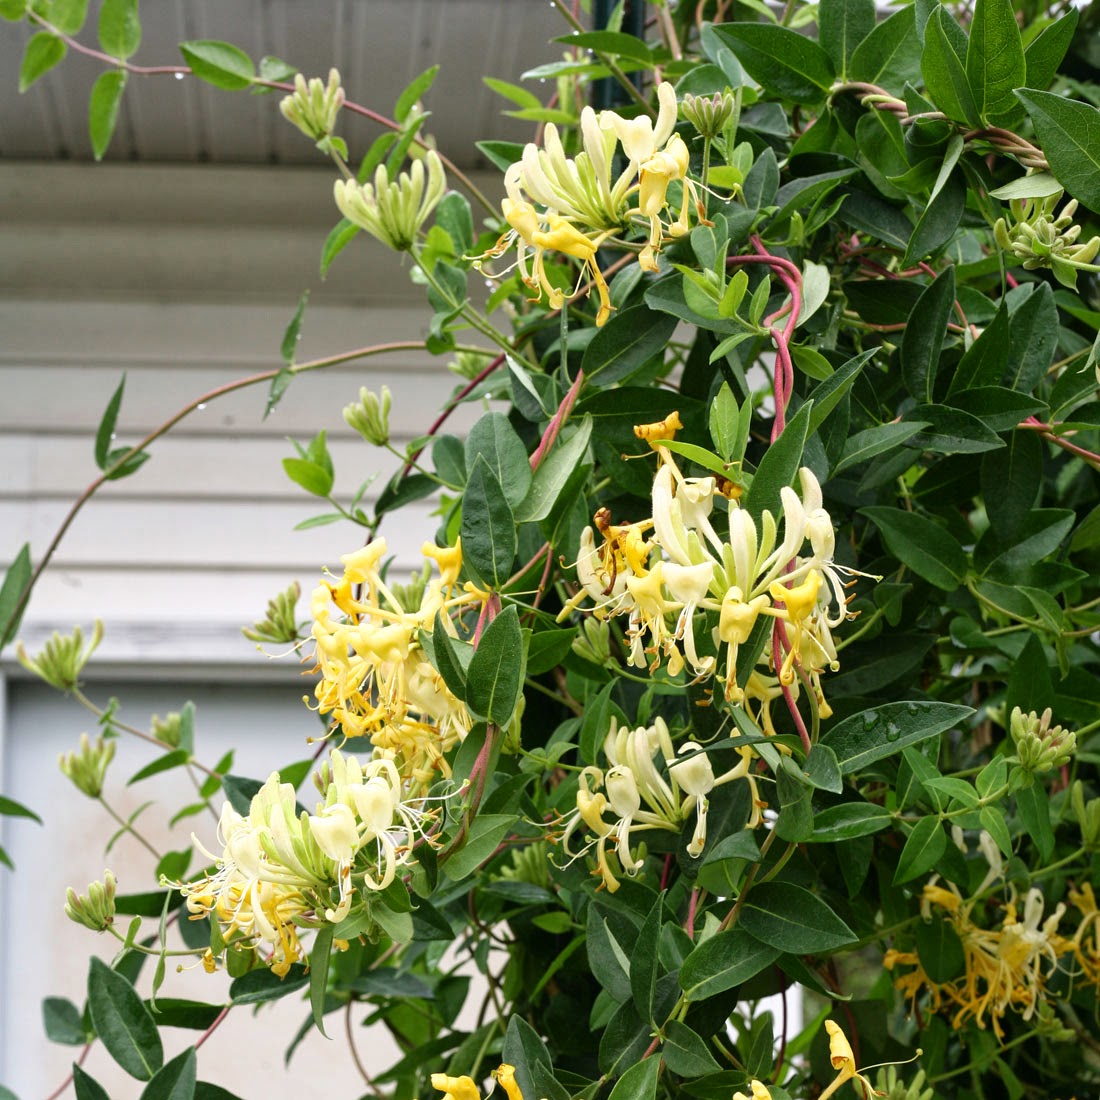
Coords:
pixel 213 1027
pixel 780 645
pixel 69 1080
pixel 450 407
pixel 557 421
pixel 163 429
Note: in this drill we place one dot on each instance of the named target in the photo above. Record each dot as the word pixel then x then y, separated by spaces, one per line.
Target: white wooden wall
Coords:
pixel 184 278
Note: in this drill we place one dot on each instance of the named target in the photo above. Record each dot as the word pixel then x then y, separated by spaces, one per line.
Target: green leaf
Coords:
pixel 119 28
pixel 823 770
pixel 501 154
pixel 554 473
pixel 319 959
pixel 924 846
pixel 408 99
pixel 16 580
pixel 610 42
pixel 792 919
pixel 290 338
pixel 925 547
pixel 1033 810
pixel 68 15
pixel 494 441
pixel 779 466
pixel 627 342
pixel 521 97
pixel 843 25
pixel 849 820
pixel 890 54
pixel 924 334
pixel 1045 53
pixel 258 986
pixel 339 237
pixel 685 1052
pixel 62 1022
pixel 944 75
pixel 488 526
pixel 175 759
pixel 494 680
pixel 10 808
pixel 639 1082
pixel 1069 134
pixel 87 1088
pixel 940 220
pixel 985 361
pixel 41 54
pixel 195 1015
pixel 103 109
pixel 123 1023
pixel 952 431
pixel 941 951
pixel 239 791
pixel 13 10
pixel 879 732
pixel 723 962
pixel 831 392
pixel 311 476
pixel 864 445
pixel 784 62
pixel 450 656
pixel 105 431
pixel 1033 338
pixel 219 63
pixel 486 833
pixel 644 962
pixel 176 1081
pixel 995 61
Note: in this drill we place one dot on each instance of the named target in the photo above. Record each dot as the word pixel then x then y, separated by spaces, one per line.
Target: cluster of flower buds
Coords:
pixel 62 658
pixel 892 1087
pixel 1039 239
pixel 313 107
pixel 370 416
pixel 708 114
pixel 394 211
pixel 96 909
pixel 167 730
pixel 87 768
pixel 1040 747
pixel 280 625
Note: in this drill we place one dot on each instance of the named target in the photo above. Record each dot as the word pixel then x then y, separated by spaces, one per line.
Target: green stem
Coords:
pixel 128 828
pixel 982 1062
pixel 620 77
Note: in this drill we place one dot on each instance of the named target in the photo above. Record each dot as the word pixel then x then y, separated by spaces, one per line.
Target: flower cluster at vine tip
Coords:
pixel 633 797
pixel 283 869
pixel 580 205
pixel 1007 962
pixel 376 679
pixel 693 596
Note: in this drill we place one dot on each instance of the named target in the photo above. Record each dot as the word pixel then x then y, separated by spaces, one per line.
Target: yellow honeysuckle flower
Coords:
pixel 506 1077
pixel 759 1091
pixel 843 1061
pixel 455 1088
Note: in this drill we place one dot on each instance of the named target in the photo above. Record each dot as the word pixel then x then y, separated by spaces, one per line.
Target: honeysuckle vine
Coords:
pixel 751 644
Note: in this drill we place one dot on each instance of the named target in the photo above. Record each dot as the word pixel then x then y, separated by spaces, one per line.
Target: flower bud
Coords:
pixel 1039 746
pixel 62 658
pixel 595 643
pixel 371 416
pixel 394 212
pixel 468 364
pixel 708 115
pixel 96 909
pixel 167 730
pixel 279 626
pixel 1037 238
pixel 88 768
pixel 313 107
pixel 1088 816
